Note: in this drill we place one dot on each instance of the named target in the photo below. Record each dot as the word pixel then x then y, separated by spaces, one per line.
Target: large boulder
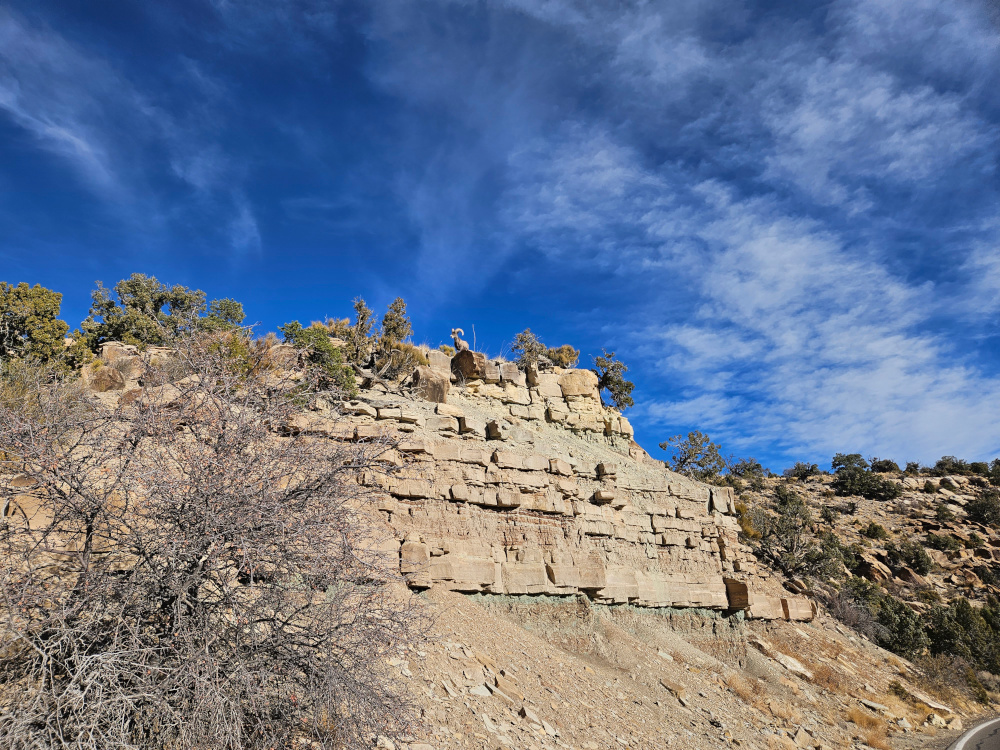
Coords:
pixel 439 361
pixel 431 385
pixel 738 593
pixel 509 373
pixel 912 577
pixel 579 383
pixel 470 365
pixel 491 372
pixel 764 607
pixel 798 609
pixel 124 358
pixel 873 570
pixel 112 350
pixel 414 561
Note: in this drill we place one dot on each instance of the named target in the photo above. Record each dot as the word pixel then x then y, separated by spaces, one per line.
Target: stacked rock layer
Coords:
pixel 517 483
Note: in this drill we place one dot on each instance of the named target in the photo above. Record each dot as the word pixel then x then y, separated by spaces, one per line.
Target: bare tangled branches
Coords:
pixel 182 572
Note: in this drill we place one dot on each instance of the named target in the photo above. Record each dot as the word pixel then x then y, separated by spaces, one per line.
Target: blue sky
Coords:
pixel 782 216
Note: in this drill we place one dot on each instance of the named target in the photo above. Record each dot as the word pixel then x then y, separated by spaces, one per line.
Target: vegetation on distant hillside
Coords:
pixel 381 348
pixel 853 475
pixel 694 456
pixel 956 637
pixel 142 311
pixel 952 466
pixel 910 554
pixel 783 539
pixel 972 633
pixel 881 617
pixel 527 349
pixel 802 470
pixel 884 466
pixel 875 531
pixel 985 508
pixel 321 354
pixel 746 472
pixel 953 639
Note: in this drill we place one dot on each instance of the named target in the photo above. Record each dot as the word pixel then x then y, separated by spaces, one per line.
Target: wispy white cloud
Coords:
pixel 823 350
pixel 839 127
pixel 62 98
pixel 244 235
pixel 791 338
pixel 302 26
pixel 921 38
pixel 981 271
pixel 117 139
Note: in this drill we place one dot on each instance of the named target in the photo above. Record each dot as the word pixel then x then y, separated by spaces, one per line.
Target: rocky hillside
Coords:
pixel 917 573
pixel 922 546
pixel 585 596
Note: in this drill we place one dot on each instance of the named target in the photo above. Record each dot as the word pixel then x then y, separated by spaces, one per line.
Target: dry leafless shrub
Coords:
pixel 849 611
pixel 184 574
pixel 944 676
pixel 129 366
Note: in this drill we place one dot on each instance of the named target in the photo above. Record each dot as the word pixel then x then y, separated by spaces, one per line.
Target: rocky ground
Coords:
pixel 539 672
pixel 972 569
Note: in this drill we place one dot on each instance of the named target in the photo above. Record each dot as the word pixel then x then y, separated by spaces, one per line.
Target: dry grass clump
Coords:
pixel 744 689
pixel 785 712
pixel 825 676
pixel 863 719
pixel 874 730
pixel 878 739
pixel 907 707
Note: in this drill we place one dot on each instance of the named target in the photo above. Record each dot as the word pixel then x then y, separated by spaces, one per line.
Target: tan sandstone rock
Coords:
pixel 431 385
pixel 470 365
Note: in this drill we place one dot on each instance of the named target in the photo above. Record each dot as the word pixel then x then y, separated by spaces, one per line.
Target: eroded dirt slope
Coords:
pixel 538 672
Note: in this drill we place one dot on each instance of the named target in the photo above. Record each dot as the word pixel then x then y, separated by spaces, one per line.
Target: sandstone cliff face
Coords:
pixel 526 484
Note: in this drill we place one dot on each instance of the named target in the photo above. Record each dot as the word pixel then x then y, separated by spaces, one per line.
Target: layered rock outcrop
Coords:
pixel 519 483
pixel 524 483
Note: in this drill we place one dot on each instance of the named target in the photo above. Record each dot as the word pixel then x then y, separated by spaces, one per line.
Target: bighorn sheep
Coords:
pixel 460 345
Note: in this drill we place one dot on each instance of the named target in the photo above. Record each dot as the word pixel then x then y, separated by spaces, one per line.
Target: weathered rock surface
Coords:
pixel 527 485
pixel 431 384
pixel 105 379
